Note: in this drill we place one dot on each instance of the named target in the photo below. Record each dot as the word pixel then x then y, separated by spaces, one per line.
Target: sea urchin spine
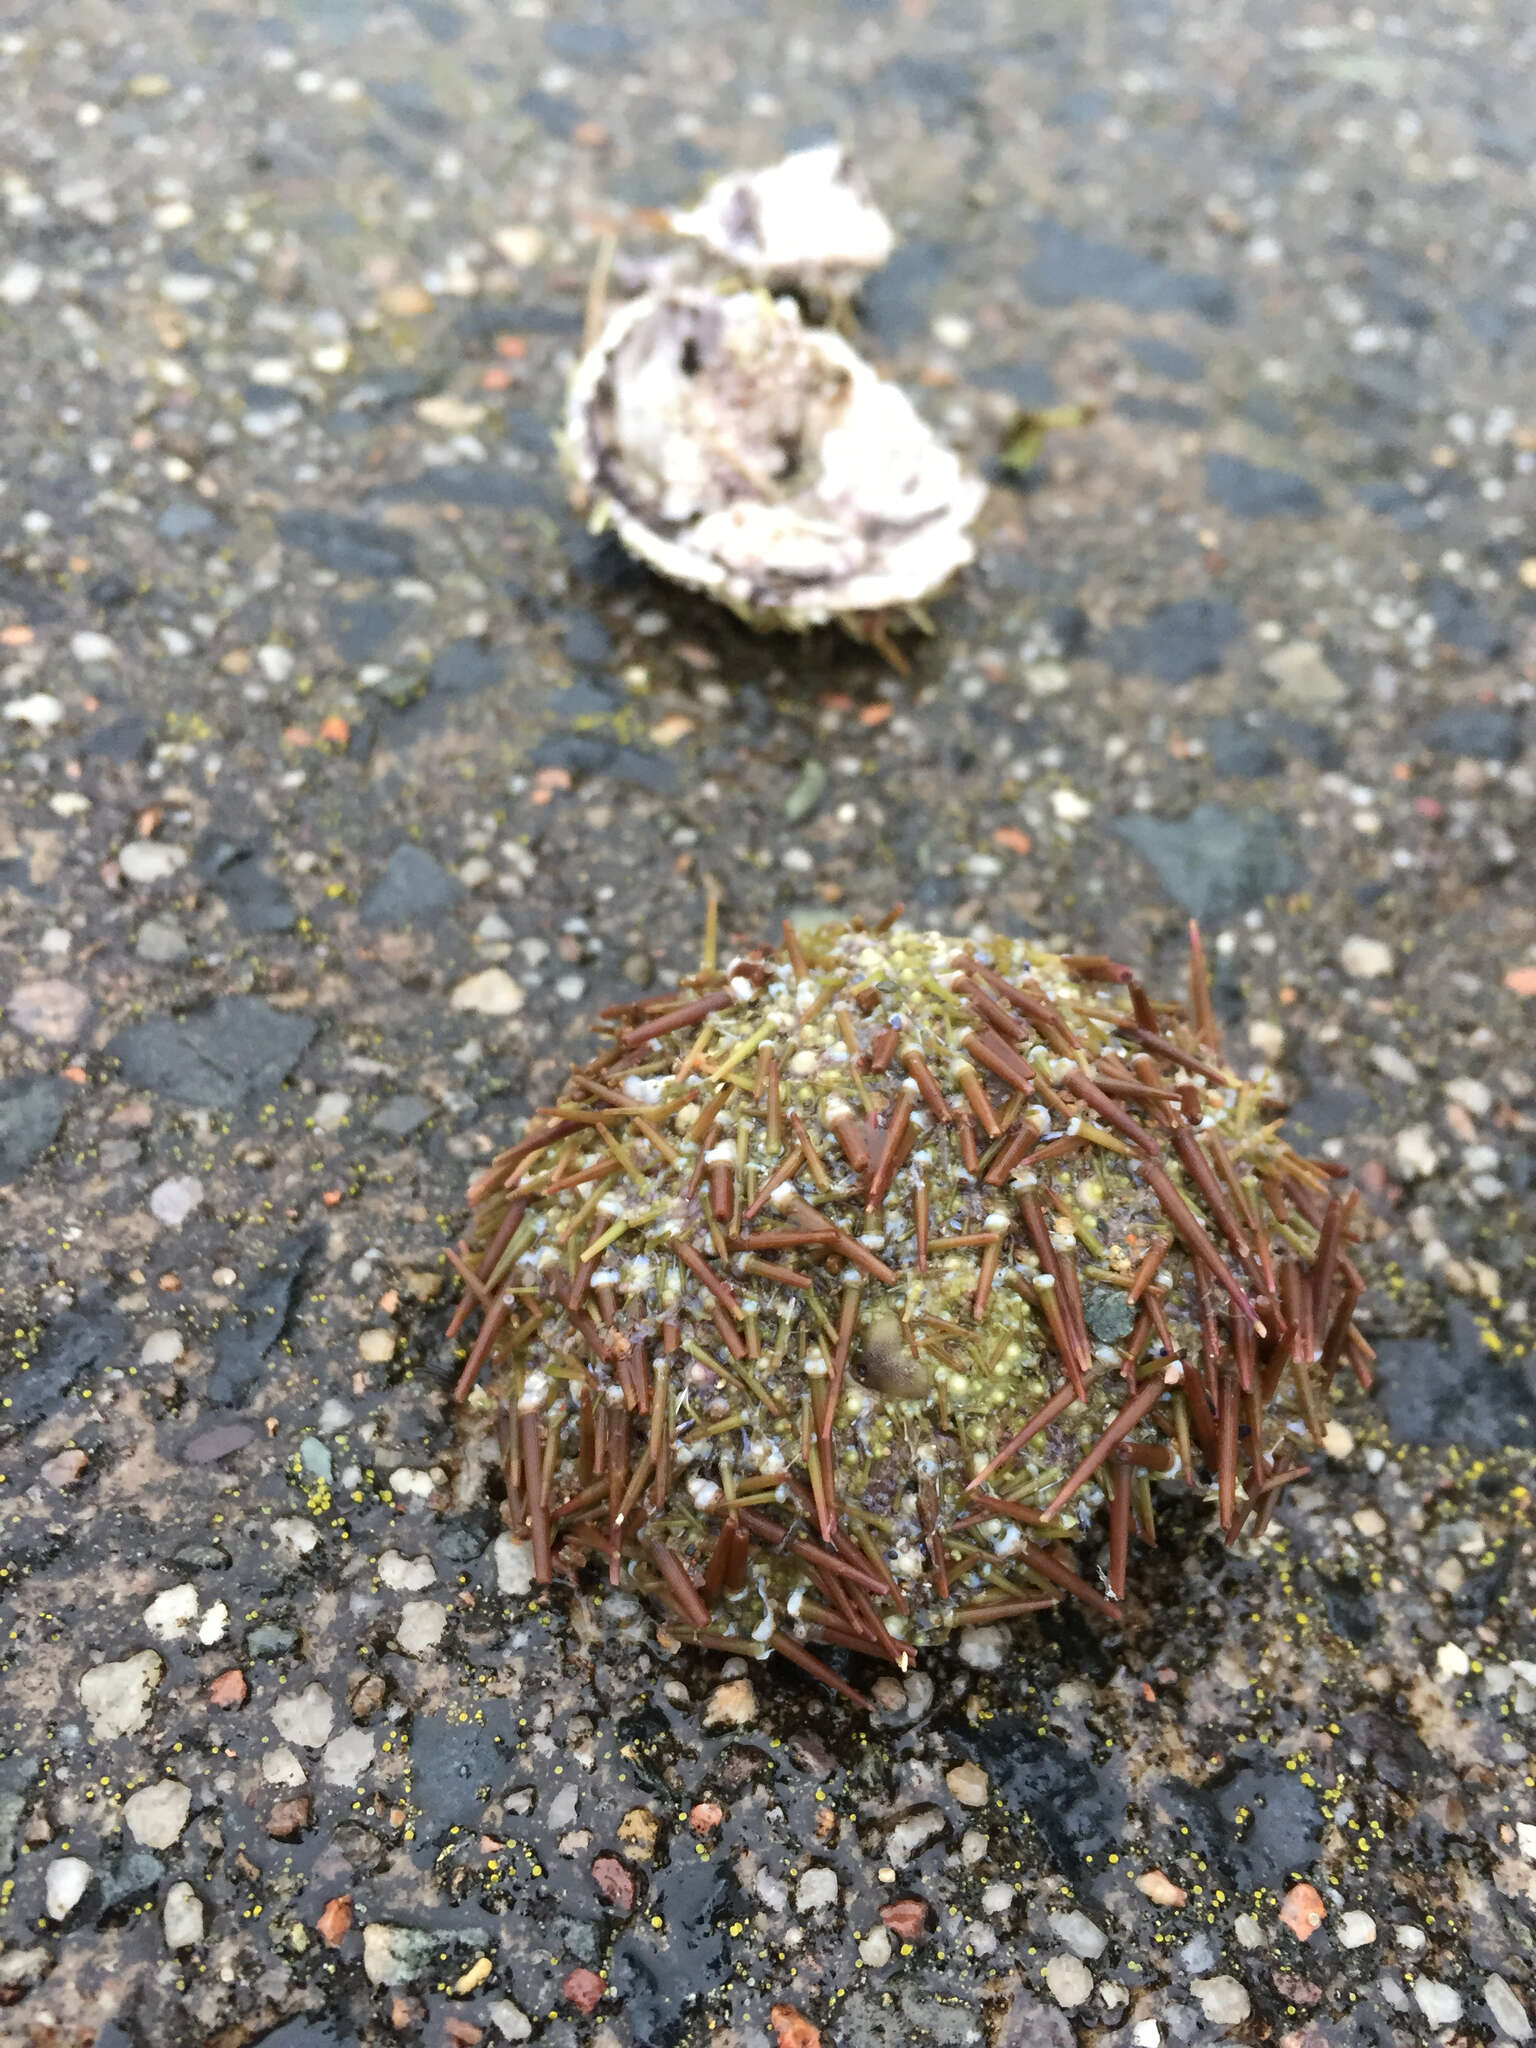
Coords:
pixel 841 1288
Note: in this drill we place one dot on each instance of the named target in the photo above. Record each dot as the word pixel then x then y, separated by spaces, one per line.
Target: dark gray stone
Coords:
pixel 31 1110
pixel 260 1318
pixel 222 1441
pixel 401 1115
pixel 78 1343
pixel 412 885
pixel 360 628
pixel 585 640
pixel 1165 359
pixel 1236 748
pixel 1214 863
pixel 185 519
pixel 232 1051
pixel 239 874
pixel 594 753
pixel 590 42
pixel 1456 1392
pixel 1030 385
pixel 130 1881
pixel 443 22
pixel 1460 620
pixel 1253 492
pixel 1481 731
pixel 1394 501
pixel 269 1641
pixel 555 114
pixel 1162 412
pixel 1327 1111
pixel 467 483
pixel 353 547
pixel 896 304
pixel 1178 641
pixel 123 738
pixel 1069 266
pixel 465 667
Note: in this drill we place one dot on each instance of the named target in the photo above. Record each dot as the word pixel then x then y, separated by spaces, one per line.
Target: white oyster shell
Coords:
pixel 762 461
pixel 808 222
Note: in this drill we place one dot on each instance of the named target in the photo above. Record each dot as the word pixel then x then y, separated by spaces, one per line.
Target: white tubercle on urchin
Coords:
pixel 765 462
pixel 807 222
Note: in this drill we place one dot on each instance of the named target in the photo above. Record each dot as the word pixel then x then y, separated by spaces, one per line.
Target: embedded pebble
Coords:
pixel 64 1885
pixel 50 1010
pixel 172 1612
pixel 1355 1930
pixel 331 1108
pixel 997 1898
pixel 41 711
pixel 875 1948
pixel 295 1534
pixel 1366 959
pixel 908 1839
pixel 117 1697
pixel 156 1814
pixel 282 1767
pixel 173 1201
pixel 305 1718
pixel 406 1574
pixel 161 1347
pixel 395 1955
pixel 1415 1152
pixel 510 2021
pixel 514 1565
pixel 1223 2000
pixel 1069 1981
pixel 147 861
pixel 183 1916
pixel 817 1887
pixel 732 1705
pixel 1079 1934
pixel 422 1623
pixel 1509 2013
pixel 20 283
pixel 983 1649
pixel 161 941
pixel 968 1784
pixel 491 993
pixel 1439 2003
pixel 347 1756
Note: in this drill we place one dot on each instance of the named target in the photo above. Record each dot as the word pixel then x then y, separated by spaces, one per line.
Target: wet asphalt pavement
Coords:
pixel 342 774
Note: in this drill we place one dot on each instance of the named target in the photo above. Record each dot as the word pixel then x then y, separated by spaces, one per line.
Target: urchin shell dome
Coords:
pixel 836 1297
pixel 764 462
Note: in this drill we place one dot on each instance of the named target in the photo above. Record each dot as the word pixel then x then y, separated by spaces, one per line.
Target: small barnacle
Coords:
pixel 765 462
pixel 884 1337
pixel 804 224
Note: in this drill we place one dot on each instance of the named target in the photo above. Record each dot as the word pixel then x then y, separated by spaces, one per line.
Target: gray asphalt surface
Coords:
pixel 342 774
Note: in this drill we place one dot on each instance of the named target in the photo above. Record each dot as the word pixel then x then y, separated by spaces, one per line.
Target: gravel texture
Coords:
pixel 342 773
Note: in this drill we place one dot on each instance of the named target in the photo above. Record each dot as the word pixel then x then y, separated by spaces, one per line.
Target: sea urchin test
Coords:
pixel 857 1293
pixel 742 453
pixel 807 223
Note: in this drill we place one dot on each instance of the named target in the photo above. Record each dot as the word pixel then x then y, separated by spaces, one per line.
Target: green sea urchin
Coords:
pixel 833 1297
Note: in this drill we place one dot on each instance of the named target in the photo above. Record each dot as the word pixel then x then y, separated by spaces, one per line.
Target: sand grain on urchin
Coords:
pixel 834 1297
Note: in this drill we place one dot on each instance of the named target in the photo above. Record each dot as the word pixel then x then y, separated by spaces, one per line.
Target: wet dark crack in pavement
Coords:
pixel 342 773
